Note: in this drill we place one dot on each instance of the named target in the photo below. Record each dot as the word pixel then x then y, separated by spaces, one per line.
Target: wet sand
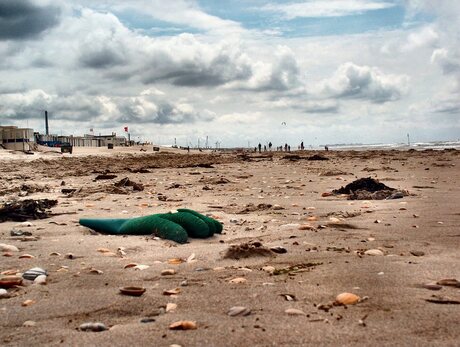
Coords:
pixel 259 198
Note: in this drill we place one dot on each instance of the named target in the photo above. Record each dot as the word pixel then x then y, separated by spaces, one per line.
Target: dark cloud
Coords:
pixel 77 108
pixel 22 19
pixel 101 58
pixel 192 73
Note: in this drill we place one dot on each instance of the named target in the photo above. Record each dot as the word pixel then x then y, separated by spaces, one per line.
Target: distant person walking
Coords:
pixel 301 146
pixel 260 147
pixel 270 146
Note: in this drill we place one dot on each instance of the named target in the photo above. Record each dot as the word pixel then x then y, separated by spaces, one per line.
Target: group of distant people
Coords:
pixel 286 147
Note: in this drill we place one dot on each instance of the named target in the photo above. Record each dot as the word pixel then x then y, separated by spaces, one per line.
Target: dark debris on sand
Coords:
pixel 247 250
pixel 20 211
pixel 370 189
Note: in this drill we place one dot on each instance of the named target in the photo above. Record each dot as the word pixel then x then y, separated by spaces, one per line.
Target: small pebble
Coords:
pixel 417 253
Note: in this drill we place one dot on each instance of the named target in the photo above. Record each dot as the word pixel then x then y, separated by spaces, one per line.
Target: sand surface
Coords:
pixel 329 255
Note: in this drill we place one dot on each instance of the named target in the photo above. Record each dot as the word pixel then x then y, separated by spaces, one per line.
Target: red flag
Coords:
pixel 126 129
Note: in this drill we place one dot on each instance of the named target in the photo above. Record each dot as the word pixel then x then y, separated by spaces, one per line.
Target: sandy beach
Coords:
pixel 274 200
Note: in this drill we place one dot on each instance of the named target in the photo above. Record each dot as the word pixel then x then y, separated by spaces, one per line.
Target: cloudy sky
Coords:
pixel 237 71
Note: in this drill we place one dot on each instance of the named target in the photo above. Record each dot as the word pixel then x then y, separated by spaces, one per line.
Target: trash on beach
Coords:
pixel 33 273
pixel 20 211
pixel 175 226
pixel 369 189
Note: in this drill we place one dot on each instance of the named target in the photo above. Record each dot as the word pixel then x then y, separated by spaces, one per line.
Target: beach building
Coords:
pixel 14 138
pixel 87 140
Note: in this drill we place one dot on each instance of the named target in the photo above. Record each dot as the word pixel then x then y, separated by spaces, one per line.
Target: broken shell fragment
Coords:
pixel 174 291
pixel 183 325
pixel 238 280
pixel 168 272
pixel 132 291
pixel 10 281
pixel 175 261
pixel 28 302
pixel 295 312
pixel 347 299
pixel 449 282
pixel 238 311
pixel 26 256
pixel 96 327
pixel 170 307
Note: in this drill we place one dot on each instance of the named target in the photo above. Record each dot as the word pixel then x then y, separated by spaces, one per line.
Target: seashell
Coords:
pixel 93 327
pixel 312 218
pixel 174 291
pixel 238 311
pixel 295 312
pixel 10 281
pixel 335 220
pixel 238 280
pixel 8 254
pixel 26 256
pixel 41 279
pixel 33 273
pixel 170 307
pixel 175 261
pixel 103 250
pixel 28 302
pixel 306 227
pixel 29 323
pixel 278 249
pixel 374 252
pixel 183 325
pixel 449 282
pixel 127 266
pixel 3 293
pixel 168 272
pixel 96 271
pixel 141 267
pixel 9 272
pixel 191 258
pixel 432 286
pixel 132 291
pixel 8 248
pixel 347 299
pixel 55 254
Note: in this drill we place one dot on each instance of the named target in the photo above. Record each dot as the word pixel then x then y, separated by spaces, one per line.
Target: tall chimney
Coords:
pixel 46 123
